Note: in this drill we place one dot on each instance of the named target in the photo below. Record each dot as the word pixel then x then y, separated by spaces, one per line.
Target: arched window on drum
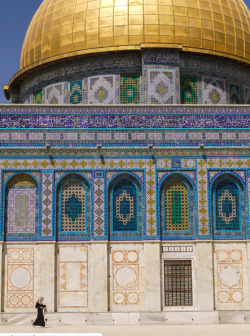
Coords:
pixel 21 207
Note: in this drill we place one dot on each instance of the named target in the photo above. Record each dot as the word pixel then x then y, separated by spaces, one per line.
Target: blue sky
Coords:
pixel 15 16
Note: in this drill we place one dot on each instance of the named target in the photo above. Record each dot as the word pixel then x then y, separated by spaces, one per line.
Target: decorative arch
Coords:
pixel 73 205
pixel 21 206
pixel 125 206
pixel 177 206
pixel 228 206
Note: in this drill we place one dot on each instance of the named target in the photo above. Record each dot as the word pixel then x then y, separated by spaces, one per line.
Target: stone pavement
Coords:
pixel 150 330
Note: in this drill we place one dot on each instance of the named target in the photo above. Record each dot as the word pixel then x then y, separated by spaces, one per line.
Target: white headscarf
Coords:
pixel 40 299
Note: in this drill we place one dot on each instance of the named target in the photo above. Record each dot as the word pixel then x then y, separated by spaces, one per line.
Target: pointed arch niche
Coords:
pixel 21 207
pixel 177 207
pixel 125 208
pixel 228 207
pixel 73 207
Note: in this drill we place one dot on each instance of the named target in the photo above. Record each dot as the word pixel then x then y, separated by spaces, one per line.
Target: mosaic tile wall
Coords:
pixel 213 91
pixel 108 66
pixel 124 207
pixel 72 206
pixel 111 206
pixel 38 97
pixel 76 92
pixel 102 90
pixel 189 89
pixel 55 94
pixel 234 94
pixel 20 278
pixel 227 207
pixel 130 89
pixel 161 86
pixel 21 207
pixel 176 206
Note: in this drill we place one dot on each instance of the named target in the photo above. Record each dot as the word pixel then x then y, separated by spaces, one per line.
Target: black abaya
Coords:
pixel 40 317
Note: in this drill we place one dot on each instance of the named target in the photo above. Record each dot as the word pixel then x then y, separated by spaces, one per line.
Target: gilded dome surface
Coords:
pixel 65 28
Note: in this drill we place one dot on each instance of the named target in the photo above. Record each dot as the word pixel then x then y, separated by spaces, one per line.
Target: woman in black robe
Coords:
pixel 40 313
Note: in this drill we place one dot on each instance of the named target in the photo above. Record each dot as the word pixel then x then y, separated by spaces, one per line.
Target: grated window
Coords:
pixel 227 207
pixel 189 90
pixel 176 206
pixel 124 207
pixel 178 282
pixel 73 206
pixel 130 89
pixel 38 97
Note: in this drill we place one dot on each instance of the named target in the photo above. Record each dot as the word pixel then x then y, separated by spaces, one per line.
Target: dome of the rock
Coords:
pixel 67 28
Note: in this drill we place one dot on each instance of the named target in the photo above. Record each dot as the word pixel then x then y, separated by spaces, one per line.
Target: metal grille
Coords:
pixel 176 206
pixel 178 282
pixel 73 207
pixel 189 90
pixel 227 207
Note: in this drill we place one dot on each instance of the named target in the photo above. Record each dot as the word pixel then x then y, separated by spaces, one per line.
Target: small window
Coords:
pixel 38 97
pixel 178 282
pixel 189 90
pixel 130 89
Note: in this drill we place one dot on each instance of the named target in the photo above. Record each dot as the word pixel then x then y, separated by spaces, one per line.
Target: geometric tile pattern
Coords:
pixel 202 166
pixel 202 197
pixel 213 90
pixel 124 206
pixel 99 206
pixel 73 277
pixel 227 206
pixel 151 198
pixel 72 201
pixel 47 196
pixel 161 86
pixel 55 94
pixel 20 277
pixel 76 93
pixel 176 206
pixel 234 94
pixel 125 274
pixel 102 90
pixel 130 89
pixel 38 97
pixel 22 210
pixel 229 276
pixel 189 90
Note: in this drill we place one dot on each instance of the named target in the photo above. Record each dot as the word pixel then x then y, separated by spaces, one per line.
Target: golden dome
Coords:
pixel 64 28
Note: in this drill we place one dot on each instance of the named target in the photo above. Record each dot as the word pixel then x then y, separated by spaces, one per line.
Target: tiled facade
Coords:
pixel 125 186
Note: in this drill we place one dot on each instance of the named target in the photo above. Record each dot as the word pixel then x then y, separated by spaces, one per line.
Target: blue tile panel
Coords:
pixel 227 207
pixel 124 207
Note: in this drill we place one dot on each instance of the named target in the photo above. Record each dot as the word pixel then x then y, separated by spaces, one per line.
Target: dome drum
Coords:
pixel 163 77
